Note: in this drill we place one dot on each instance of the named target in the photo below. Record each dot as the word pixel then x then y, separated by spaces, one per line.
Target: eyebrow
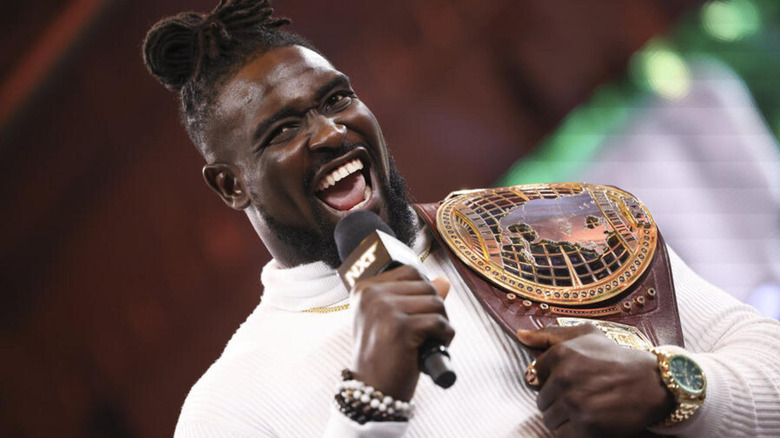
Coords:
pixel 339 81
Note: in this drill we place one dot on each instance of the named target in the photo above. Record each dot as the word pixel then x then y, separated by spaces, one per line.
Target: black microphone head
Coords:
pixel 356 226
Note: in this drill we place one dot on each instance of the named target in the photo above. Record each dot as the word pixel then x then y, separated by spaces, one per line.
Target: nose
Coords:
pixel 325 132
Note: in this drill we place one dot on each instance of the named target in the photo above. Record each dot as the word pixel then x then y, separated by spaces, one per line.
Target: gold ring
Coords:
pixel 530 375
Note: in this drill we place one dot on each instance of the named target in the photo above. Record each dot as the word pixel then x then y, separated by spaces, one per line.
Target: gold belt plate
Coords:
pixel 571 244
pixel 624 335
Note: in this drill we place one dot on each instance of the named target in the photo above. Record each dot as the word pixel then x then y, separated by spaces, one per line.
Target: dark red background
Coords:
pixel 123 276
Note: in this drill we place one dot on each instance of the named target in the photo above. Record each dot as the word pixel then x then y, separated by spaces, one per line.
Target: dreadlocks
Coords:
pixel 192 53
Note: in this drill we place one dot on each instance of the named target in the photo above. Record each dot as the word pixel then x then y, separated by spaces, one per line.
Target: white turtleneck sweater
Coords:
pixel 278 374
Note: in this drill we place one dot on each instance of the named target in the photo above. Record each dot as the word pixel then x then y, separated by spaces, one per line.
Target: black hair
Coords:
pixel 192 53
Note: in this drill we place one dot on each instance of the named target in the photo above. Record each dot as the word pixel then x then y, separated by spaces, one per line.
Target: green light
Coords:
pixel 576 141
pixel 661 70
pixel 740 33
pixel 776 124
pixel 730 20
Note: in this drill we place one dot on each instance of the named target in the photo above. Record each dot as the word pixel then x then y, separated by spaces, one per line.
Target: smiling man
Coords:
pixel 287 141
pixel 306 152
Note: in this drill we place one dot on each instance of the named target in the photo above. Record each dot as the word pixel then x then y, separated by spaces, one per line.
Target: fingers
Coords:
pixel 417 304
pixel 560 351
pixel 442 286
pixel 402 297
pixel 428 326
pixel 550 391
pixel 555 416
pixel 395 313
pixel 555 361
pixel 405 280
pixel 559 361
pixel 553 334
pixel 403 287
pixel 566 430
pixel 591 386
pixel 401 273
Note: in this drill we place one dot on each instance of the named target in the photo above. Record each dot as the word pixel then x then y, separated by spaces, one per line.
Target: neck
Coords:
pixel 291 246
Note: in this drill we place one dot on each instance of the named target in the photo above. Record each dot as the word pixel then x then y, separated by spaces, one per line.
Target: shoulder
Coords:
pixel 712 318
pixel 233 386
pixel 277 368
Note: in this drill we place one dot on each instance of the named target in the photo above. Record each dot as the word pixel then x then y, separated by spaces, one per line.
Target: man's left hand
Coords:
pixel 590 386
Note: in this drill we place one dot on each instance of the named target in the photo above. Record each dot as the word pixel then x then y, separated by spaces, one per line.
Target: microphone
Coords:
pixel 367 247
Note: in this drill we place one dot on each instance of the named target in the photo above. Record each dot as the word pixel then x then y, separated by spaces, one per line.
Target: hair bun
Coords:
pixel 170 51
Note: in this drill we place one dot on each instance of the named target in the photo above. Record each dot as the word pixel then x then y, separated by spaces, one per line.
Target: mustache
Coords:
pixel 326 157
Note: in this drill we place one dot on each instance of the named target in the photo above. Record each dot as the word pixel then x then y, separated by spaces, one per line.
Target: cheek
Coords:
pixel 268 168
pixel 285 167
pixel 364 120
pixel 365 124
pixel 278 182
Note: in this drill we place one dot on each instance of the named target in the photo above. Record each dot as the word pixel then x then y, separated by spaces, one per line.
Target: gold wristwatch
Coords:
pixel 685 379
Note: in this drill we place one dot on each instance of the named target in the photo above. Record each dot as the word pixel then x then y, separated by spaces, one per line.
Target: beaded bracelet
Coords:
pixel 362 403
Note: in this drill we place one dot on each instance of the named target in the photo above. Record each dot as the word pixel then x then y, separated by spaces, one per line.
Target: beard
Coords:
pixel 320 246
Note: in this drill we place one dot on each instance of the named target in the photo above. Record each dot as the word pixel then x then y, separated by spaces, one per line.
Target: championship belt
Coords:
pixel 563 253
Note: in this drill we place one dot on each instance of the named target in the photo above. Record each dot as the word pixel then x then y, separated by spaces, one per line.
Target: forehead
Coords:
pixel 286 76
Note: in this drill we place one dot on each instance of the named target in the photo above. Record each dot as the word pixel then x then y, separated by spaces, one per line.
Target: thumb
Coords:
pixel 442 286
pixel 539 338
pixel 553 334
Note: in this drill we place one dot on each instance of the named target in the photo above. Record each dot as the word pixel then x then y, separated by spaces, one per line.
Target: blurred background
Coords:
pixel 123 276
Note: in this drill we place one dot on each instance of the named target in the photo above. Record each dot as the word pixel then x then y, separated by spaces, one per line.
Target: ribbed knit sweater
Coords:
pixel 279 372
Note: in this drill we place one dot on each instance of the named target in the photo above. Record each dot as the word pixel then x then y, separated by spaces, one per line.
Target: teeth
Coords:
pixel 340 173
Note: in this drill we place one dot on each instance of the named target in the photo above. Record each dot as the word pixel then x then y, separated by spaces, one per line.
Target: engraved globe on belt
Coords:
pixel 580 244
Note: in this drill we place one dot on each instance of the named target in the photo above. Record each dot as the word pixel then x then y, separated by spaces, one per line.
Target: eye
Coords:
pixel 282 133
pixel 339 100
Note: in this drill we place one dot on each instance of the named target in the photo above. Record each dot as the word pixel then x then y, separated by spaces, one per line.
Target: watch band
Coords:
pixel 687 403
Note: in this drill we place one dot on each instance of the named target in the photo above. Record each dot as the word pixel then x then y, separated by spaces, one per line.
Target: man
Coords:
pixel 287 141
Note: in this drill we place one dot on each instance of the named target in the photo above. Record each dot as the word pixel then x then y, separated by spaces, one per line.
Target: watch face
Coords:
pixel 687 374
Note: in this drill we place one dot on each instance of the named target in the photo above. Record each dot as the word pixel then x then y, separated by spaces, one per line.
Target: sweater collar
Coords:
pixel 302 287
pixel 315 284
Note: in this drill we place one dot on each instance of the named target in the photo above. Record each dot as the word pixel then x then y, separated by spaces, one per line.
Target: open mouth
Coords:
pixel 345 188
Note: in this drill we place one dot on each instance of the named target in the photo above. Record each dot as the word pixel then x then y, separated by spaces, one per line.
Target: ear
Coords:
pixel 224 179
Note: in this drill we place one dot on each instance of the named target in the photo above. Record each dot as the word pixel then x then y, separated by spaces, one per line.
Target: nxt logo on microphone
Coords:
pixel 361 264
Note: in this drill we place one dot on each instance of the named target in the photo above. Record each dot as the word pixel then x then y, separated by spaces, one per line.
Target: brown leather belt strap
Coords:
pixel 649 304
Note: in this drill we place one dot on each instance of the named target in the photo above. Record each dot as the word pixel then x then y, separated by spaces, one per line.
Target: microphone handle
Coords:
pixel 433 358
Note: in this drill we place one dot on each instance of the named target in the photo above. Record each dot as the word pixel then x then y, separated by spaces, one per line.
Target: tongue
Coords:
pixel 346 193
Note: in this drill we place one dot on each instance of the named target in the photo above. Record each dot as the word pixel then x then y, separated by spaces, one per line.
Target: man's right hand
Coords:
pixel 395 312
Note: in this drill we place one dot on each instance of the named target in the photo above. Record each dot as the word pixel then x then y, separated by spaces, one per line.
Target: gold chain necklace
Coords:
pixel 340 307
